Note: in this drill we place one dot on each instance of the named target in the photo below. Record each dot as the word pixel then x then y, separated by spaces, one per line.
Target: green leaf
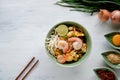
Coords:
pixel 91 5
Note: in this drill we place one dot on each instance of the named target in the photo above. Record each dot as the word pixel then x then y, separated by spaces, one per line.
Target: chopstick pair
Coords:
pixel 26 68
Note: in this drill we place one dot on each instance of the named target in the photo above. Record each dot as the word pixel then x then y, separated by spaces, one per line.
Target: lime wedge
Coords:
pixel 62 30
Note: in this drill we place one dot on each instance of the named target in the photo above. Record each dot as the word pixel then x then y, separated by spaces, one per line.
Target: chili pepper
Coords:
pixel 106 75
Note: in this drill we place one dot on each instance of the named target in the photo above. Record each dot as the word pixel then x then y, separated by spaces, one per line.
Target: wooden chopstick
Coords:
pixel 30 69
pixel 26 68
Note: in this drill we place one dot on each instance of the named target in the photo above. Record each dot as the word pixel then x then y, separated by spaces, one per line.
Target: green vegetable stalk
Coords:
pixel 90 6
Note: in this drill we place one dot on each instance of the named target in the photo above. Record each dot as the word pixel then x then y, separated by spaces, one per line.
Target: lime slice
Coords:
pixel 62 30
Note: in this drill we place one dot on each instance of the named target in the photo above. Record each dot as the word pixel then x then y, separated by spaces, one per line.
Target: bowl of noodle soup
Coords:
pixel 68 44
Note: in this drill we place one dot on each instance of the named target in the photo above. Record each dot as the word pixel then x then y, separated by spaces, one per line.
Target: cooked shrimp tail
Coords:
pixel 63 45
pixel 77 42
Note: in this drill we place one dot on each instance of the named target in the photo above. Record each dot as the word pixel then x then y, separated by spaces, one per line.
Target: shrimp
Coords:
pixel 77 42
pixel 62 44
pixel 61 59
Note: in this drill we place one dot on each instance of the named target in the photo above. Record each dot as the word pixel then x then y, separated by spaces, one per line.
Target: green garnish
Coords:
pixel 90 6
